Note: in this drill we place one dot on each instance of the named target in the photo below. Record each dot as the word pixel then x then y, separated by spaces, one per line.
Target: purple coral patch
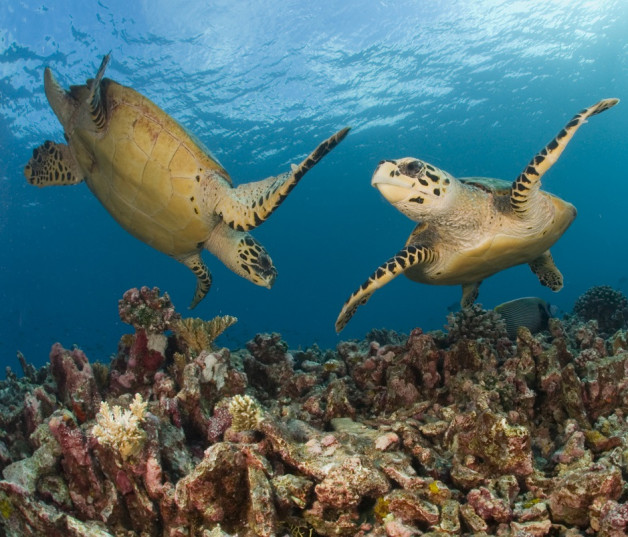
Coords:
pixel 388 436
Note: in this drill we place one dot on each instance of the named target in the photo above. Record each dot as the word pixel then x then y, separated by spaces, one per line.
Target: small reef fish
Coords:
pixel 531 312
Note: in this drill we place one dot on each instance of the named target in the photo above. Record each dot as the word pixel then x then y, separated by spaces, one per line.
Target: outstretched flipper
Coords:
pixel 250 204
pixel 403 260
pixel 203 278
pixel 242 254
pixel 545 269
pixel 470 293
pixel 524 188
pixel 52 164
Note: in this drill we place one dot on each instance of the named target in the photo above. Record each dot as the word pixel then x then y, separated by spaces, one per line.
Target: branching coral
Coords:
pixel 120 429
pixel 245 413
pixel 198 334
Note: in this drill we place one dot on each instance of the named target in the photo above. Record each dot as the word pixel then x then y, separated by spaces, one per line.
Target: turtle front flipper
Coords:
pixel 242 254
pixel 52 164
pixel 203 278
pixel 547 272
pixel 250 204
pixel 525 187
pixel 404 259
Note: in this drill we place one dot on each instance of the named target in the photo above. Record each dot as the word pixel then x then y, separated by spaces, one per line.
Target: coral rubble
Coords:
pixel 441 434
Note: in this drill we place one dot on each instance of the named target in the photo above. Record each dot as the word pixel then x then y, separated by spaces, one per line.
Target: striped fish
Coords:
pixel 530 311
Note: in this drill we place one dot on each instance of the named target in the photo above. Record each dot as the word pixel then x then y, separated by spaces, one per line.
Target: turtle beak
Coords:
pixel 393 185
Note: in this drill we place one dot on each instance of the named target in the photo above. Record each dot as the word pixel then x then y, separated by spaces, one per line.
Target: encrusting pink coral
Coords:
pixel 76 385
pixel 440 434
pixel 91 496
pixel 145 309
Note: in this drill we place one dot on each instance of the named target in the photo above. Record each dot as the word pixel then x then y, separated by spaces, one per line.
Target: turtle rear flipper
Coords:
pixel 62 103
pixel 247 206
pixel 404 259
pixel 65 104
pixel 470 293
pixel 524 188
pixel 203 277
pixel 97 107
pixel 547 272
pixel 52 164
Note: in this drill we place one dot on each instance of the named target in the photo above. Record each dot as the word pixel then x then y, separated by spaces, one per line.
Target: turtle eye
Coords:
pixel 264 261
pixel 413 167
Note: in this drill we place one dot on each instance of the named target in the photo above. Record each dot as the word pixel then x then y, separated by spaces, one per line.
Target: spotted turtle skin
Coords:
pixel 471 228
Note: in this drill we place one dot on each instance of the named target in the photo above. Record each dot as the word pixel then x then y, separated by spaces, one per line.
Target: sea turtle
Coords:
pixel 471 228
pixel 157 181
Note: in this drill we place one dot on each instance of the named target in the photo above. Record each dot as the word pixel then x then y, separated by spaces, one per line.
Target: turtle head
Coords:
pixel 414 187
pixel 253 262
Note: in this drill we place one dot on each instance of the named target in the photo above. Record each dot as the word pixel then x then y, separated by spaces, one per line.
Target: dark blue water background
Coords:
pixel 475 87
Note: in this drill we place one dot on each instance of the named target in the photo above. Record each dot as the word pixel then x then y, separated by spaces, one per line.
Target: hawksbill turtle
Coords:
pixel 157 181
pixel 471 228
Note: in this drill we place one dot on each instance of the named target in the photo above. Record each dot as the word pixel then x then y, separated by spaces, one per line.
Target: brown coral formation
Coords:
pixel 605 305
pixel 199 335
pixel 443 435
pixel 475 322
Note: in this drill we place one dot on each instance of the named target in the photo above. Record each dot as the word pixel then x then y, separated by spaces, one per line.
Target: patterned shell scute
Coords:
pixel 488 184
pixel 148 172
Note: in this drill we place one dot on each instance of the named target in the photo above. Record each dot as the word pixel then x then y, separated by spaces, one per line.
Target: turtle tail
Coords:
pixel 61 102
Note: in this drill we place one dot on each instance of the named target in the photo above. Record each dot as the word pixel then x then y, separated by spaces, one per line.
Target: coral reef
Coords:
pixel 475 322
pixel 199 335
pixel 605 305
pixel 458 434
pixel 145 309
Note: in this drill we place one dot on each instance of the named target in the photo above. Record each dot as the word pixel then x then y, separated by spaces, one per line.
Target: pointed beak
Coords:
pixel 390 184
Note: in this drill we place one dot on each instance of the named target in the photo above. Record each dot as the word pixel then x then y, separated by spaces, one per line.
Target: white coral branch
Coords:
pixel 121 429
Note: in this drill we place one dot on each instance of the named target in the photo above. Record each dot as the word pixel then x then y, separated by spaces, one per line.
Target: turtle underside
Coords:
pixel 158 182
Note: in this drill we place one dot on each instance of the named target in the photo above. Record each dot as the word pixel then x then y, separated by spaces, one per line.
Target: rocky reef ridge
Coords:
pixel 457 433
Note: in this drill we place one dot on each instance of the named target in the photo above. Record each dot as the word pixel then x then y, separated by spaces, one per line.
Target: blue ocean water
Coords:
pixel 474 87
